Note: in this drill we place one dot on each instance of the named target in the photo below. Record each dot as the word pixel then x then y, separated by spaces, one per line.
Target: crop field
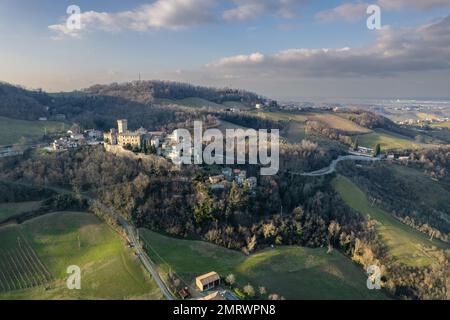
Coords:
pixel 20 266
pixel 12 130
pixel 236 104
pixel 441 124
pixel 12 209
pixel 409 246
pixel 291 271
pixel 338 123
pixel 387 140
pixel 109 270
pixel 283 116
pixel 193 103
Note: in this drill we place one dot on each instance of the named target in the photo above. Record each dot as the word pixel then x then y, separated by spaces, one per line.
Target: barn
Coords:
pixel 207 281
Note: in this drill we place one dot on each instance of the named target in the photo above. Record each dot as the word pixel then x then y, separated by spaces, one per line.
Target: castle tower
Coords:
pixel 123 126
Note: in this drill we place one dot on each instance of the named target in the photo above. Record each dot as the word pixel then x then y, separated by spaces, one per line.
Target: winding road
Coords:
pixel 332 167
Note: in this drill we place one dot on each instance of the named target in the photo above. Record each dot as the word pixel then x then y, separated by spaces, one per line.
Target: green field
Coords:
pixel 282 116
pixel 388 140
pixel 12 130
pixel 192 103
pixel 109 270
pixel 293 272
pixel 406 244
pixel 12 209
pixel 441 124
pixel 295 132
pixel 338 123
pixel 236 104
pixel 330 119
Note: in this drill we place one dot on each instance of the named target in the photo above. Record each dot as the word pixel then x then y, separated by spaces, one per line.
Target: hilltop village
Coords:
pixel 160 143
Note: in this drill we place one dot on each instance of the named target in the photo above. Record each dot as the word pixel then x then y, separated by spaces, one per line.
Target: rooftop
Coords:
pixel 208 277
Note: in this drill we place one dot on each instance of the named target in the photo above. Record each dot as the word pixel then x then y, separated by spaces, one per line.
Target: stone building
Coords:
pixel 122 136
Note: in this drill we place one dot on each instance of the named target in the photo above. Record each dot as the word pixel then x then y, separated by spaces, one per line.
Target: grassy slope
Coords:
pixel 294 272
pixel 339 123
pixel 11 130
pixel 404 242
pixel 388 140
pixel 295 131
pixel 441 124
pixel 109 270
pixel 8 210
pixel 235 104
pixel 192 103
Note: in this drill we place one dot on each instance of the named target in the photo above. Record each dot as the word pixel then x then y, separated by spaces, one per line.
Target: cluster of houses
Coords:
pixel 392 157
pixel 362 151
pixel 266 103
pixel 423 121
pixel 224 180
pixel 74 139
pixel 166 146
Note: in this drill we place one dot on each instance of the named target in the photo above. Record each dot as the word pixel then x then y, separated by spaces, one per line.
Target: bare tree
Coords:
pixel 249 290
pixel 230 279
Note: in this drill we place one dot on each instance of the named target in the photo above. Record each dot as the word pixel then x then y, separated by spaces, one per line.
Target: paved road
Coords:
pixel 132 236
pixel 129 229
pixel 332 167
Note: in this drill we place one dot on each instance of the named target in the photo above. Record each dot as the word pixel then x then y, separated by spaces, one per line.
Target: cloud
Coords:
pixel 413 4
pixel 425 48
pixel 253 58
pixel 161 14
pixel 355 11
pixel 347 12
pixel 251 9
pixel 175 15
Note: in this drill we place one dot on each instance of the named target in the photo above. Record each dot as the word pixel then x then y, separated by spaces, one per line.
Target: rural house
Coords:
pixel 207 281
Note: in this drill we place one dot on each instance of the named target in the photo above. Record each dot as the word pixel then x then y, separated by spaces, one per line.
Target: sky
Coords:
pixel 284 49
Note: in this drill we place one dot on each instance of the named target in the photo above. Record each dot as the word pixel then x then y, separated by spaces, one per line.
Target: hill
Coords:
pixel 143 103
pixel 34 258
pixel 409 246
pixel 293 272
pixel 148 91
pixel 20 103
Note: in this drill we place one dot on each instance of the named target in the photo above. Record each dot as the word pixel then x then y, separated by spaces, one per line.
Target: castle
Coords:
pixel 121 136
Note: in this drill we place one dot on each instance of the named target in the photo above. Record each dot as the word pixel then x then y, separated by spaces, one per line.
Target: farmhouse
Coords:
pixel 207 281
pixel 365 150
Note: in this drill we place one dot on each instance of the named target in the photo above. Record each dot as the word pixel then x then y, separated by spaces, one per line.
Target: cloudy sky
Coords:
pixel 285 49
